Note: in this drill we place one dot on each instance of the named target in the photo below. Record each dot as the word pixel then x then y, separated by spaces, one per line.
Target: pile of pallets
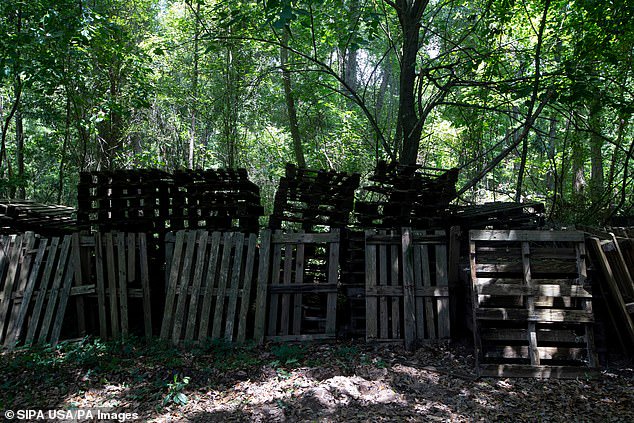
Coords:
pixel 24 215
pixel 532 304
pixel 410 196
pixel 313 199
pixel 155 201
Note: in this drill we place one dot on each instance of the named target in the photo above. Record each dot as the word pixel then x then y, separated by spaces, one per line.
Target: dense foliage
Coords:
pixel 531 99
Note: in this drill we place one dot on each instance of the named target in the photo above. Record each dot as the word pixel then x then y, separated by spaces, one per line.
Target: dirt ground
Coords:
pixel 342 382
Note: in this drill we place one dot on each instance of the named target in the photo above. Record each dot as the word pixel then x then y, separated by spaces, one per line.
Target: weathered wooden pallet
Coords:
pixel 38 297
pixel 532 304
pixel 292 303
pixel 407 289
pixel 119 263
pixel 209 286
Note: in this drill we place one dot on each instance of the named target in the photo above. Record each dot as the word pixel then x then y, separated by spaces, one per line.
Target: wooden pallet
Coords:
pixel 532 304
pixel 114 267
pixel 297 286
pixel 209 286
pixel 36 288
pixel 407 289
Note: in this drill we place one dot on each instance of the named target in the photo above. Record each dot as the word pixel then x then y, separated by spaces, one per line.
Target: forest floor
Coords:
pixel 342 382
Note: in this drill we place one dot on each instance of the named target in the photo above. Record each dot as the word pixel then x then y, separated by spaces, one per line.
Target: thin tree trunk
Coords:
pixel 62 157
pixel 192 132
pixel 596 156
pixel 298 148
pixel 19 155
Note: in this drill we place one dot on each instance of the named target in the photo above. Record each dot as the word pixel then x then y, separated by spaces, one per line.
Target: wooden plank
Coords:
pixel 238 251
pixel 543 335
pixel 370 283
pixel 297 298
pixel 395 281
pixel 537 372
pixel 55 288
pixel 79 281
pixel 525 235
pixel 222 284
pixel 586 304
pixel 63 299
pixel 539 315
pixel 418 285
pixel 172 282
pixel 288 265
pixel 210 282
pixel 196 284
pixel 101 291
pixel 275 280
pixel 383 282
pixel 541 353
pixel 246 288
pixel 131 260
pixel 530 303
pixel 333 278
pixel 304 238
pixel 262 295
pixel 25 268
pixel 122 285
pixel 309 288
pixel 145 285
pixel 430 324
pixel 550 290
pixel 442 280
pixel 28 292
pixel 183 285
pixel 14 260
pixel 112 285
pixel 409 306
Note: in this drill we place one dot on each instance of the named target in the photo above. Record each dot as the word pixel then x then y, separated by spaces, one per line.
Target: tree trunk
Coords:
pixel 290 102
pixel 409 15
pixel 596 157
pixel 192 131
pixel 19 155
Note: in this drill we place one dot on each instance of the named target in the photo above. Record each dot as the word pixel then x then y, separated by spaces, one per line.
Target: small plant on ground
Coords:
pixel 175 393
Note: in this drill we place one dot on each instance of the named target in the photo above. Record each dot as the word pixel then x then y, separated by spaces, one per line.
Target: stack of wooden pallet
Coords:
pixel 410 196
pixel 155 201
pixel 222 199
pixel 311 200
pixel 124 199
pixel 23 215
pixel 532 304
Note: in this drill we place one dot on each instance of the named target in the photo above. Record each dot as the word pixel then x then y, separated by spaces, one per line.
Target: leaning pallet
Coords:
pixel 532 304
pixel 407 290
pixel 209 286
pixel 38 298
pixel 297 286
pixel 119 263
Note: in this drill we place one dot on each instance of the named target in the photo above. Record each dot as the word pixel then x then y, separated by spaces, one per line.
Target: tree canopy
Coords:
pixel 530 99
